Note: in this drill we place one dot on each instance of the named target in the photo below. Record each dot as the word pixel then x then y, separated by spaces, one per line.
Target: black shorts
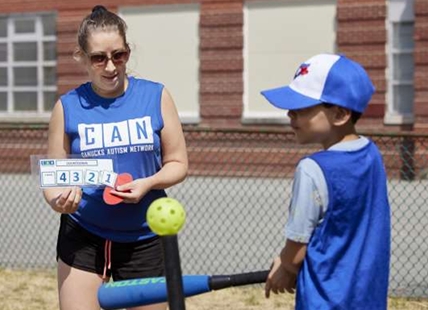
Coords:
pixel 83 250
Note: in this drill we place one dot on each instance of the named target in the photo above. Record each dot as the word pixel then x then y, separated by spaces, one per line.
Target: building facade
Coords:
pixel 216 55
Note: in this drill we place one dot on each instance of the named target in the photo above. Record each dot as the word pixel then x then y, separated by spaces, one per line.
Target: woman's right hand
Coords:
pixel 63 199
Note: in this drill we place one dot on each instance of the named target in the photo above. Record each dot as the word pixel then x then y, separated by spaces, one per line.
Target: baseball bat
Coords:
pixel 174 284
pixel 146 291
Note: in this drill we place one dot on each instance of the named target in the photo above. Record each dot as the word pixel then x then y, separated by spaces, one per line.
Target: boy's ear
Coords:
pixel 341 116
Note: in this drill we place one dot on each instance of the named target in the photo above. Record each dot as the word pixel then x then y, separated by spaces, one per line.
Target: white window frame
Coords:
pixel 399 12
pixel 40 114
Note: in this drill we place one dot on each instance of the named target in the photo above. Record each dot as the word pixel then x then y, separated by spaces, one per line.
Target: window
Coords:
pixel 27 66
pixel 400 94
pixel 165 48
pixel 279 36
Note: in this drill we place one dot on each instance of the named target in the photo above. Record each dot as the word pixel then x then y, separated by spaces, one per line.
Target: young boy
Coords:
pixel 337 251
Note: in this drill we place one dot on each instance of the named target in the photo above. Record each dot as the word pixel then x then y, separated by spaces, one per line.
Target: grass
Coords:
pixel 22 290
pixel 36 290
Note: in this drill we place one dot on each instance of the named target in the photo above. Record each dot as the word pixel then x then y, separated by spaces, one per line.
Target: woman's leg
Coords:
pixel 77 288
pixel 143 259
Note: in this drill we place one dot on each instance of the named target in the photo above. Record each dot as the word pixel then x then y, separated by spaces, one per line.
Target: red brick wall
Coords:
pixel 68 73
pixel 421 64
pixel 221 44
pixel 361 35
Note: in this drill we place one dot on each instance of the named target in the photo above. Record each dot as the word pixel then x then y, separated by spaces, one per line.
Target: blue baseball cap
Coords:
pixel 325 78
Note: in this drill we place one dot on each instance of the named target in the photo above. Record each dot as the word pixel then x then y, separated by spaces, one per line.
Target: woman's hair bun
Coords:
pixel 99 8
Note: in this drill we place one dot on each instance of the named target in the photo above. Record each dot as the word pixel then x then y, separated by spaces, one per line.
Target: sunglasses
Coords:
pixel 101 59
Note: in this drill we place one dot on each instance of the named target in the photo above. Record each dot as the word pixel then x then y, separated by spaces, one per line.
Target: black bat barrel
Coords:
pixel 218 282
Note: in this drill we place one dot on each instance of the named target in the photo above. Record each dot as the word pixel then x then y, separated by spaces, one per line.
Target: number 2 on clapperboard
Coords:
pixel 91 177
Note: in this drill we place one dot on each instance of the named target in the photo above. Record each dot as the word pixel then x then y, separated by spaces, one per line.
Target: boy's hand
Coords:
pixel 280 280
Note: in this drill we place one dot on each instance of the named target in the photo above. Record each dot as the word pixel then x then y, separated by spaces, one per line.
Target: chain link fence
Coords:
pixel 236 198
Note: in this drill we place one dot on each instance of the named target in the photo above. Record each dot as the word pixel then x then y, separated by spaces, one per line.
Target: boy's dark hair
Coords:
pixel 355 116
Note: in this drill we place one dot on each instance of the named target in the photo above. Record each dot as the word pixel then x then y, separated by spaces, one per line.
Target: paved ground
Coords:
pixel 233 225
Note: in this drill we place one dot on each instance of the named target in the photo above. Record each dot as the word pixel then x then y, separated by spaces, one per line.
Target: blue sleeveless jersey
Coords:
pixel 126 129
pixel 347 260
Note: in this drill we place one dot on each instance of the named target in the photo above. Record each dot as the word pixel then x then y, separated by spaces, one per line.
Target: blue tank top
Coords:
pixel 126 129
pixel 347 260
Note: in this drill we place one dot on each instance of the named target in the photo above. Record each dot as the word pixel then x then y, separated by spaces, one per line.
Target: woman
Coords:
pixel 134 122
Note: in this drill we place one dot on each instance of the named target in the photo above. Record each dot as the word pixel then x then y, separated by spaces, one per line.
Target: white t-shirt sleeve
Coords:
pixel 308 203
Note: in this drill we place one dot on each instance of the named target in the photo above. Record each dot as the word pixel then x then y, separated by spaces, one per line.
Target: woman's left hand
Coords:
pixel 134 191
